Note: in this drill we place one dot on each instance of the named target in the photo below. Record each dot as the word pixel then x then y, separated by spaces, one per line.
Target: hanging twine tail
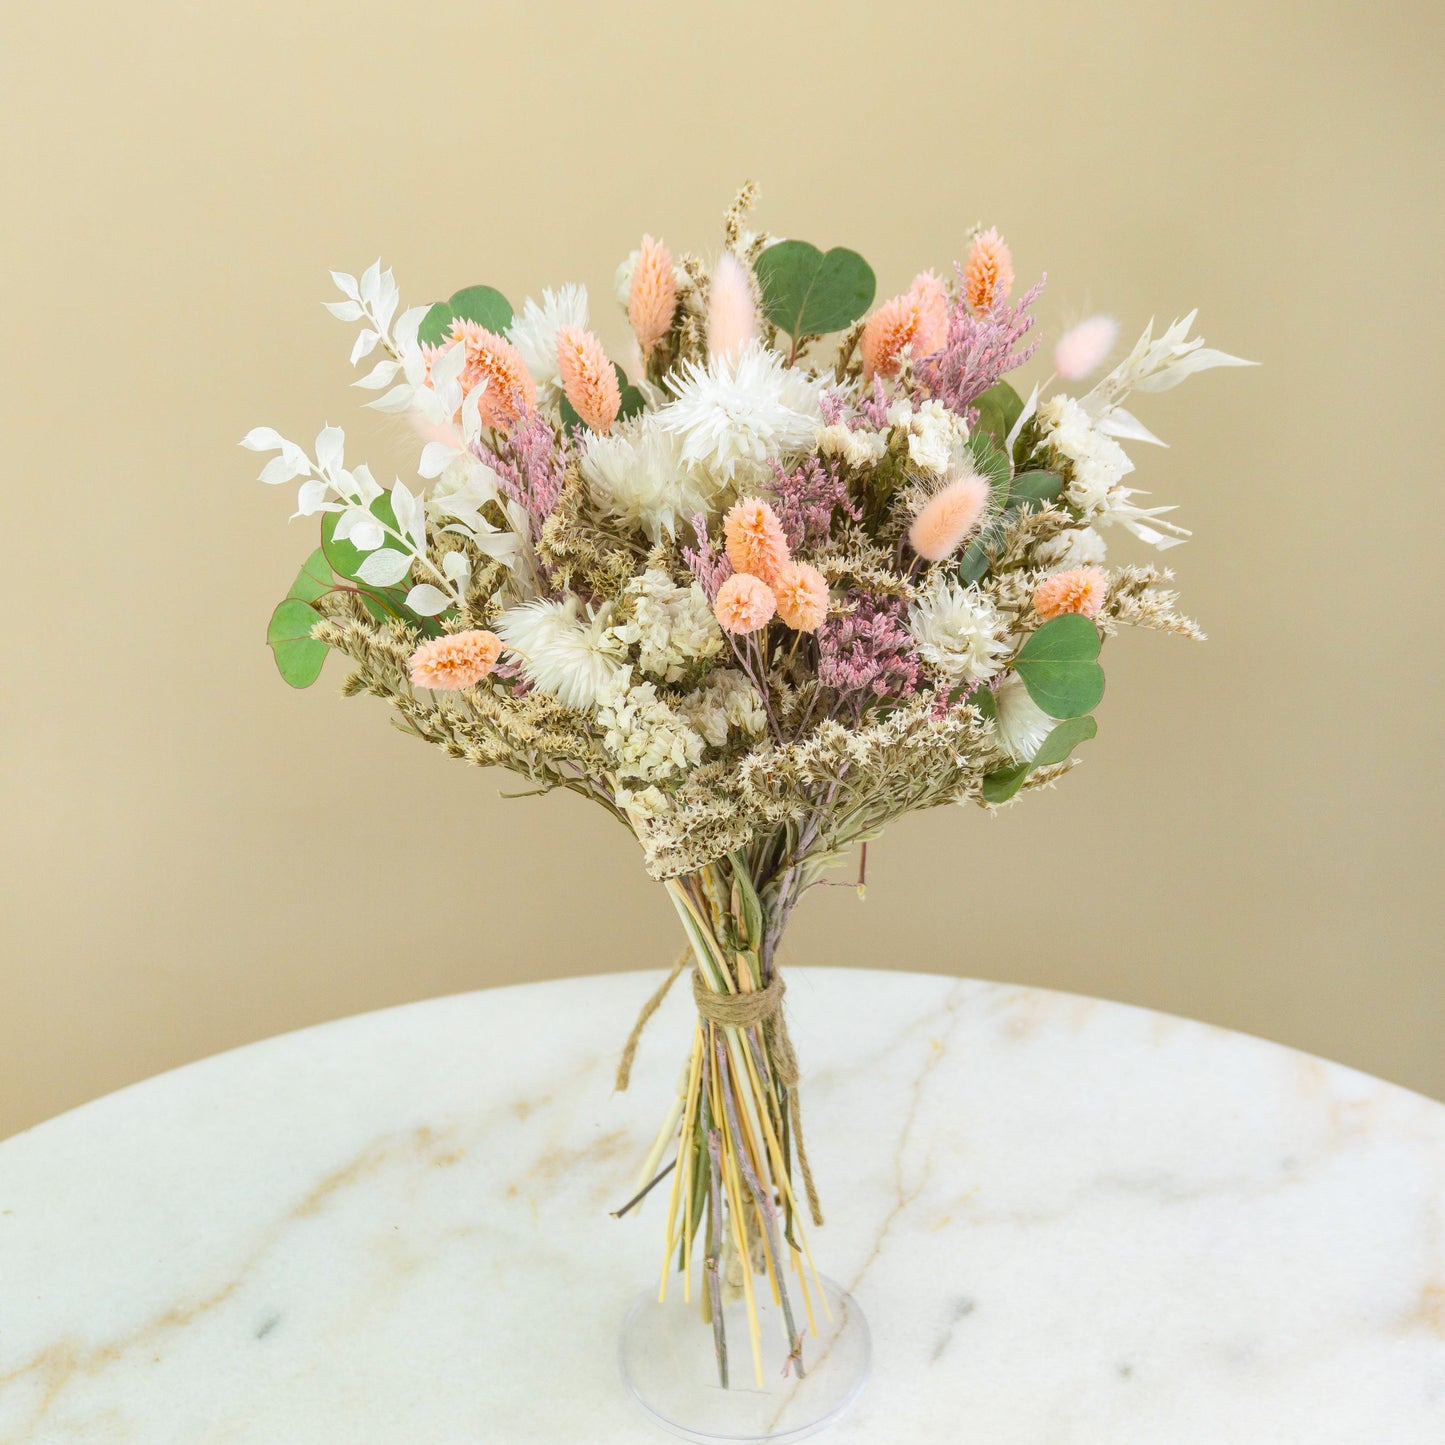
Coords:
pixel 629 1052
pixel 763 1008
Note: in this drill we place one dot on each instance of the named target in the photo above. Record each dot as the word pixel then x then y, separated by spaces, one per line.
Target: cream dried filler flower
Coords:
pixel 810 564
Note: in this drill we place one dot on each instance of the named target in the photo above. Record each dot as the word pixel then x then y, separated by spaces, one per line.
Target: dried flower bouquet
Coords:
pixel 805 565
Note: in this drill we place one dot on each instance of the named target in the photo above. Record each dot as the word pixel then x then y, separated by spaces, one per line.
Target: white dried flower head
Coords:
pixel 861 448
pixel 1022 723
pixel 736 414
pixel 727 701
pixel 534 332
pixel 1097 467
pixel 645 737
pixel 936 436
pixel 637 473
pixel 672 627
pixel 564 650
pixel 957 630
pixel 1073 547
pixel 645 804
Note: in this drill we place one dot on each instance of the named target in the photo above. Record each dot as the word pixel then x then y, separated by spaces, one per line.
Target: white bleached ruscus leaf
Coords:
pixel 384 567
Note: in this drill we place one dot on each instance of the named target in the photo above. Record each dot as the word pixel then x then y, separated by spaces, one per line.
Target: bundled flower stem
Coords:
pixel 815 566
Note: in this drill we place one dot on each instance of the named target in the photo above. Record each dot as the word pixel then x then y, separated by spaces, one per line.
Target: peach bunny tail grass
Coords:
pixel 744 604
pixel 652 298
pixel 948 517
pixel 1082 591
pixel 988 274
pixel 588 380
pixel 458 660
pixel 755 540
pixel 801 593
pixel 732 313
pixel 1083 348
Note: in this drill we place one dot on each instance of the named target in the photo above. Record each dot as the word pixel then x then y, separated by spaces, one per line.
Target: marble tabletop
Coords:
pixel 1066 1220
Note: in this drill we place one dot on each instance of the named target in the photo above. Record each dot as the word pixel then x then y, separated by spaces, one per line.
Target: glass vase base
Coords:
pixel 669 1365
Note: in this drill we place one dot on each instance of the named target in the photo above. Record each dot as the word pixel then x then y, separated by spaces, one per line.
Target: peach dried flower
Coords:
pixel 490 358
pixel 652 297
pixel 917 319
pixel 801 593
pixel 588 380
pixel 988 274
pixel 455 661
pixel 948 517
pixel 1082 590
pixel 755 539
pixel 744 604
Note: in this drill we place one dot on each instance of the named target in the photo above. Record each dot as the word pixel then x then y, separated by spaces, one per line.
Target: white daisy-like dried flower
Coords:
pixel 638 474
pixel 1022 723
pixel 738 413
pixel 534 332
pixel 861 448
pixel 957 630
pixel 563 650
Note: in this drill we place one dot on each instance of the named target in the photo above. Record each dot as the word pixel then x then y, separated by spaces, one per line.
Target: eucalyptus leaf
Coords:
pixel 314 578
pixel 345 559
pixel 1058 666
pixel 991 463
pixel 998 409
pixel 999 787
pixel 808 292
pixel 1035 489
pixel 288 634
pixel 483 304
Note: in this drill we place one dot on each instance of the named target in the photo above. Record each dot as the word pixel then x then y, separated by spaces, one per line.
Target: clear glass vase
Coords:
pixel 743 1340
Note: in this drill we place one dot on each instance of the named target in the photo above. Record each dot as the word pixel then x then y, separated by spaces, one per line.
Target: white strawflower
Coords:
pixel 1073 547
pixel 726 701
pixel 564 651
pixel 1022 723
pixel 672 627
pixel 936 437
pixel 645 737
pixel 957 631
pixel 737 414
pixel 637 473
pixel 534 332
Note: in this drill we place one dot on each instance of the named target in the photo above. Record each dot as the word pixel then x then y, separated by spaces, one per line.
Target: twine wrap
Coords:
pixel 763 1008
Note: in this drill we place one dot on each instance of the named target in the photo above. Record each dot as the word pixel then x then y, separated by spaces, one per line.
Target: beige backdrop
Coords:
pixel 195 856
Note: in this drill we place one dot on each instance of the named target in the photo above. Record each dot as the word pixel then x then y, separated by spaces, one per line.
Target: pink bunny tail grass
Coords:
pixel 744 604
pixel 458 660
pixel 755 539
pixel 1081 591
pixel 652 299
pixel 732 313
pixel 1082 348
pixel 918 319
pixel 948 517
pixel 588 380
pixel 510 392
pixel 801 594
pixel 988 274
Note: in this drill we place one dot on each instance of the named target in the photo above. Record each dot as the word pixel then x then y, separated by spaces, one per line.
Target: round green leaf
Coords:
pixel 1059 669
pixel 298 655
pixel 343 557
pixel 998 409
pixel 313 579
pixel 809 293
pixel 1036 489
pixel 999 787
pixel 483 304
